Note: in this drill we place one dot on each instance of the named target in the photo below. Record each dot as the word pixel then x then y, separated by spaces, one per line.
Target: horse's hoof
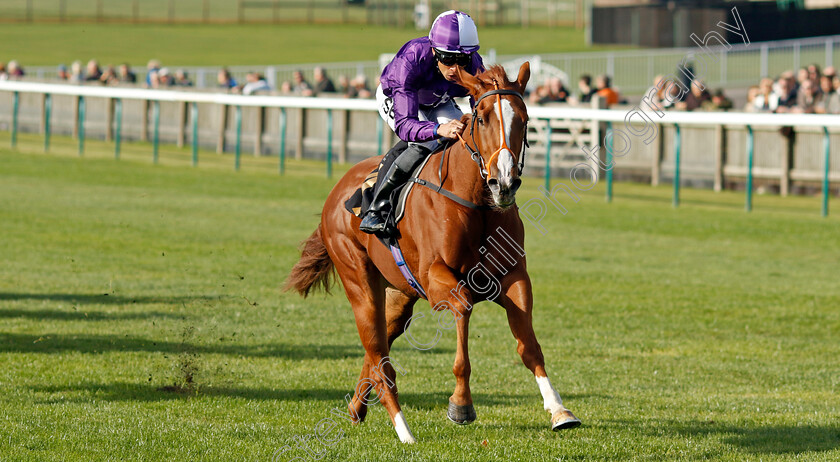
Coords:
pixel 564 419
pixel 461 415
pixel 357 416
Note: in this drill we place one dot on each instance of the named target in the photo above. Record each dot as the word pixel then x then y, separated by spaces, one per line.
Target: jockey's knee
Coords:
pixel 412 156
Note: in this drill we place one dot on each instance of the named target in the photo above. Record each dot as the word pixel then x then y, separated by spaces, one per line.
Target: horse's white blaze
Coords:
pixel 505 160
pixel 505 164
pixel 402 429
pixel 551 399
pixel 507 121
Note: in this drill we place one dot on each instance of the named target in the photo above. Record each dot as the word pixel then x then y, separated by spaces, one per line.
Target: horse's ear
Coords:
pixel 469 81
pixel 524 75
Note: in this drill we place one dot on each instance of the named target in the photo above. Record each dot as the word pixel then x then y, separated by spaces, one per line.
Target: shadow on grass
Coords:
pixel 76 315
pixel 105 299
pixel 61 343
pixel 88 392
pixel 440 399
pixel 752 438
pixel 768 439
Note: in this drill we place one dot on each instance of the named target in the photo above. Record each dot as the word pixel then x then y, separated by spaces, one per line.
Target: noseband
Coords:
pixel 484 167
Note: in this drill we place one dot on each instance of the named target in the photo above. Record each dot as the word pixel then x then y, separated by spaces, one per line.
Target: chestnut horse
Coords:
pixel 444 243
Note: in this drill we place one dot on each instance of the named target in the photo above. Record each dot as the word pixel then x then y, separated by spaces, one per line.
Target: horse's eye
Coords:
pixel 480 121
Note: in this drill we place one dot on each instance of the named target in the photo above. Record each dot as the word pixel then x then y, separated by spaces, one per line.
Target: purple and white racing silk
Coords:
pixel 411 80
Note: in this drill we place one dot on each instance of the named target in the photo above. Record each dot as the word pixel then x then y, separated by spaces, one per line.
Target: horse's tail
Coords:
pixel 314 270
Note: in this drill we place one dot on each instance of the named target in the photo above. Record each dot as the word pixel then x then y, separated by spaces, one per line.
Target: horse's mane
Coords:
pixel 494 73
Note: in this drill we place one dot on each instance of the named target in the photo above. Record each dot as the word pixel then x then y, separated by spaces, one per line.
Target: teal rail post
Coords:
pixel 750 157
pixel 677 152
pixel 238 138
pixel 81 125
pixel 15 107
pixel 282 140
pixel 118 129
pixel 194 117
pixel 379 129
pixel 548 155
pixel 47 114
pixel 609 148
pixel 329 142
pixel 156 139
pixel 827 148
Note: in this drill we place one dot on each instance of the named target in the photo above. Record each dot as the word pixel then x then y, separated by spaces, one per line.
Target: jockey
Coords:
pixel 415 99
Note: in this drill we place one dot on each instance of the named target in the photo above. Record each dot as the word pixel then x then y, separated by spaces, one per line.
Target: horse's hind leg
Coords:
pixel 517 300
pixel 399 308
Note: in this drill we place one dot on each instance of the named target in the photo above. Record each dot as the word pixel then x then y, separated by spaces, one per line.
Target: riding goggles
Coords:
pixel 447 58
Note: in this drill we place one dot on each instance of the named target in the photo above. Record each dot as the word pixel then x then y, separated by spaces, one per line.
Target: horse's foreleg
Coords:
pixel 517 300
pixel 441 283
pixel 358 406
pixel 365 288
pixel 398 309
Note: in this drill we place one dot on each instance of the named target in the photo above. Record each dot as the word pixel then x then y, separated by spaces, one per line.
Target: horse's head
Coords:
pixel 497 128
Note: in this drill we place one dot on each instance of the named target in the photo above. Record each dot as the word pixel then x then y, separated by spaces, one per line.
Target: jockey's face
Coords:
pixel 448 62
pixel 448 72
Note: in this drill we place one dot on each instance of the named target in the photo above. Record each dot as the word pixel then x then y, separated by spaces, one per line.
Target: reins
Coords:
pixel 438 188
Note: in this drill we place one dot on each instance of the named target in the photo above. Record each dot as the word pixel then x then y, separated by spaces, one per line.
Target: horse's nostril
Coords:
pixel 493 183
pixel 516 184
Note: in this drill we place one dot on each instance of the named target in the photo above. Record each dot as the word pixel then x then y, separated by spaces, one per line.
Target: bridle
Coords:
pixel 484 167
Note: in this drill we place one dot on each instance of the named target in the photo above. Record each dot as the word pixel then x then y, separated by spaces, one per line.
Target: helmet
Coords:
pixel 455 32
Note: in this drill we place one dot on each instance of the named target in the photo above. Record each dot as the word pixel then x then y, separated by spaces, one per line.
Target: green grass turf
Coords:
pixel 698 333
pixel 41 44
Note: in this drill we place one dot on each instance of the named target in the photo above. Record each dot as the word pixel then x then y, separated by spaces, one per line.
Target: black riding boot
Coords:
pixel 405 163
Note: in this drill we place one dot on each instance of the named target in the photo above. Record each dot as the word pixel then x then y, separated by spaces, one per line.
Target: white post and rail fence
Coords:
pixel 717 149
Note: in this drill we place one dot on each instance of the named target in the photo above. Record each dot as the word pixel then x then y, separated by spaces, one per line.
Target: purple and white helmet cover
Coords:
pixel 454 31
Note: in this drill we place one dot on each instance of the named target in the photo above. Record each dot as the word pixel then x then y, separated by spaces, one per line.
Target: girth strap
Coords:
pixel 399 259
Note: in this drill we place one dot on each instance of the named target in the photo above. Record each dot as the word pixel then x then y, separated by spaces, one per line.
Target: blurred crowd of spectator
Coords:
pixel 256 83
pixel 809 90
pixel 11 71
pixel 686 95
pixel 322 84
pixel 554 91
pixel 162 77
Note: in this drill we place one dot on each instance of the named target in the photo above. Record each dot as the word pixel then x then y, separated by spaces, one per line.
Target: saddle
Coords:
pixel 362 197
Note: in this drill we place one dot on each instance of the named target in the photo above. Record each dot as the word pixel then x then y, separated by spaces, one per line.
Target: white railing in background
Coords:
pixel 189 96
pixel 633 71
pixel 641 129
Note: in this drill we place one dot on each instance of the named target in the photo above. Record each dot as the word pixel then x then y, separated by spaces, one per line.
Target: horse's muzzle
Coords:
pixel 504 190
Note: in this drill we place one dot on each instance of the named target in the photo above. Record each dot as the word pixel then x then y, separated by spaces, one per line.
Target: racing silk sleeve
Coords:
pixel 406 106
